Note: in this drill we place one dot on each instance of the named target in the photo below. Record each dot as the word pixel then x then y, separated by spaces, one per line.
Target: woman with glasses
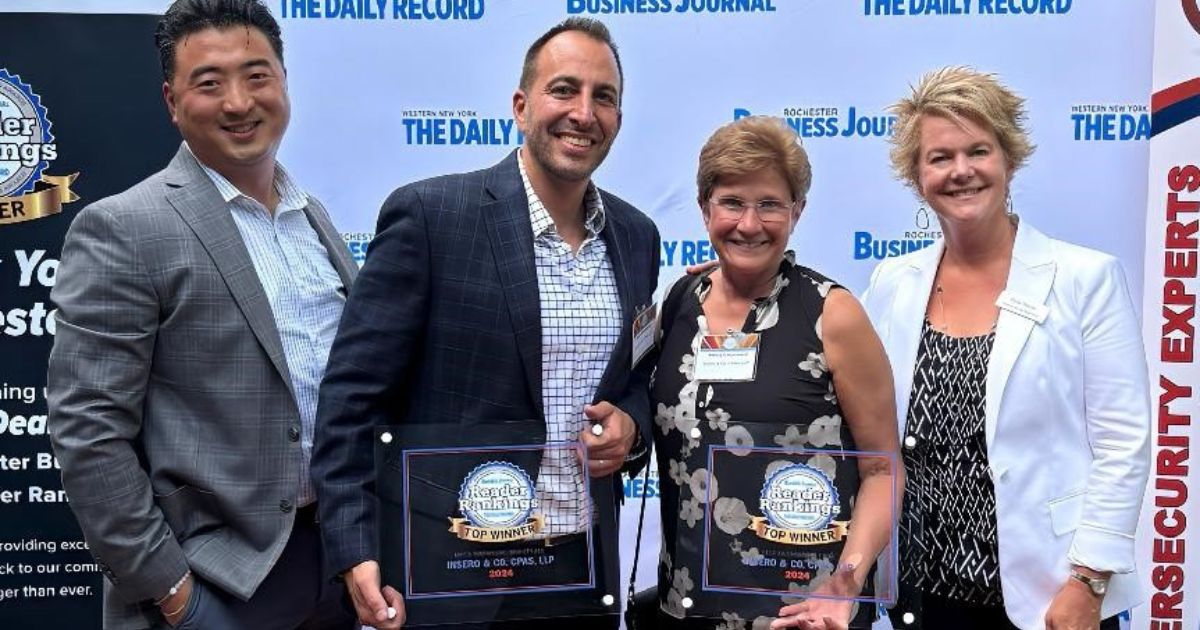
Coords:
pixel 1019 365
pixel 812 377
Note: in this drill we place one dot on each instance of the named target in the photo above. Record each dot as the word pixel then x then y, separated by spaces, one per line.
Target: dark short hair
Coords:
pixel 588 26
pixel 186 17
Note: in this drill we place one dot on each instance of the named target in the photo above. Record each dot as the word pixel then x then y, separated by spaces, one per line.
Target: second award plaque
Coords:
pixel 775 524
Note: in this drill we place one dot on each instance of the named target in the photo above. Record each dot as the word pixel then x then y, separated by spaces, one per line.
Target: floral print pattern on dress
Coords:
pixel 692 415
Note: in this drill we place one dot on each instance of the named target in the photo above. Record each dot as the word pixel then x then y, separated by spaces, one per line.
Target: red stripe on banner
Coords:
pixel 1174 94
pixel 1192 12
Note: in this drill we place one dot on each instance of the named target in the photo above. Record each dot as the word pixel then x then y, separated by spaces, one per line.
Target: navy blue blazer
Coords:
pixel 443 326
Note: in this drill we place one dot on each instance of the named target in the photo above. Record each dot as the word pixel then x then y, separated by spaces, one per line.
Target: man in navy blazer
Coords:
pixel 503 294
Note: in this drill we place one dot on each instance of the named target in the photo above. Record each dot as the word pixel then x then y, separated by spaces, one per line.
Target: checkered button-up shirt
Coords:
pixel 581 322
pixel 303 287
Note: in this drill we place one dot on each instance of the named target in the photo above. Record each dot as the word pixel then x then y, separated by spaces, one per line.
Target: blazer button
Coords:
pixel 285 506
pixel 294 433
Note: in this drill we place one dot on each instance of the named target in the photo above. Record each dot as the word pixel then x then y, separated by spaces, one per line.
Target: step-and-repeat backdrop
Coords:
pixel 385 92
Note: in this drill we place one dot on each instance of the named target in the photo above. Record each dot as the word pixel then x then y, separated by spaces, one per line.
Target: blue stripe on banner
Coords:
pixel 1174 115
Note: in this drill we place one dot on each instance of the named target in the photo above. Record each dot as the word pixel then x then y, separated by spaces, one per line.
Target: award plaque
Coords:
pixel 776 520
pixel 468 534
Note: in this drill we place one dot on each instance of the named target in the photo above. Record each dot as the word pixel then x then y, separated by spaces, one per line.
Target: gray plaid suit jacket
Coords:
pixel 171 410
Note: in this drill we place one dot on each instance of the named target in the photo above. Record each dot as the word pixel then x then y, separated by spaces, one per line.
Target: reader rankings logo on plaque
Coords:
pixel 800 504
pixel 498 503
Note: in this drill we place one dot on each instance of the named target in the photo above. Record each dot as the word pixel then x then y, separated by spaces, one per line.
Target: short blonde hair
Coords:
pixel 749 145
pixel 952 92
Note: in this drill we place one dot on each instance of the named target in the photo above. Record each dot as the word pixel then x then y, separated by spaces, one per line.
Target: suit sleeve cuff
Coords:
pixel 153 577
pixel 1102 550
pixel 346 548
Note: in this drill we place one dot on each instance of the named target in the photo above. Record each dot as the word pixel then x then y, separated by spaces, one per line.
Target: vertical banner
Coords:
pixel 1169 323
pixel 81 117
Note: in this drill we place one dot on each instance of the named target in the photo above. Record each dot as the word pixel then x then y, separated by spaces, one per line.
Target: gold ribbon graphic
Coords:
pixel 48 195
pixel 764 530
pixel 465 531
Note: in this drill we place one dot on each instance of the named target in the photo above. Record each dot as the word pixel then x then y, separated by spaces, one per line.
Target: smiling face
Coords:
pixel 747 245
pixel 228 97
pixel 962 172
pixel 571 112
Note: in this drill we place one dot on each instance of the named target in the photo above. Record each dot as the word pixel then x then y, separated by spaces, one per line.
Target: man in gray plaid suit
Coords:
pixel 195 315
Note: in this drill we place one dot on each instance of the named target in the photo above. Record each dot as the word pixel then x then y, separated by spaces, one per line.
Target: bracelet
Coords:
pixel 176 611
pixel 174 590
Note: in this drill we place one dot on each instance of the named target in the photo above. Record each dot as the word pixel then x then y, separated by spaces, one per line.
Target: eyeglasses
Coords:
pixel 769 210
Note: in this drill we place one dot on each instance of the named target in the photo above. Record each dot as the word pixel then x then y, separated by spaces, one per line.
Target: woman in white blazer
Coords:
pixel 1019 364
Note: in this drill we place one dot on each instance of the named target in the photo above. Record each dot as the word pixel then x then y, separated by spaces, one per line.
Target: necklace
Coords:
pixel 939 292
pixel 945 327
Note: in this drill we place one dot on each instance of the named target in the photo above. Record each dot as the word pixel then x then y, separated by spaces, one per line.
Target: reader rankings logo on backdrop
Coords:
pixel 26 149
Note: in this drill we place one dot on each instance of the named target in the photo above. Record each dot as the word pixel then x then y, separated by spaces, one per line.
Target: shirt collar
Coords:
pixel 290 195
pixel 539 217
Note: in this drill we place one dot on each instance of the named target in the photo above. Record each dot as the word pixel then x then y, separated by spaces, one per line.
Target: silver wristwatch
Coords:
pixel 1098 585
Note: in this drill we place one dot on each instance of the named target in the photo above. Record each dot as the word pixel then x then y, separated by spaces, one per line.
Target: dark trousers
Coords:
pixel 940 613
pixel 292 596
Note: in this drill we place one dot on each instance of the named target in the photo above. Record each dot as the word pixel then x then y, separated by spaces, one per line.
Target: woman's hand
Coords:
pixel 825 613
pixel 1075 607
pixel 815 614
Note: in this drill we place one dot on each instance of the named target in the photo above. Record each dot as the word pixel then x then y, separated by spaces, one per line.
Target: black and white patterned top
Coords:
pixel 581 323
pixel 948 527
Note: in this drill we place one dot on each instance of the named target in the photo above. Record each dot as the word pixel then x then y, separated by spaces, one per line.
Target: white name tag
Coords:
pixel 728 358
pixel 1022 307
pixel 643 332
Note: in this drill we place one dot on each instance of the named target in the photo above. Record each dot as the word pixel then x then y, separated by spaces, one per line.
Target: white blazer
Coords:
pixel 1067 413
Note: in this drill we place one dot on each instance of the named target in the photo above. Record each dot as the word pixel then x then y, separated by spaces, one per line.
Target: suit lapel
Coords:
pixel 616 241
pixel 195 198
pixel 908 319
pixel 339 256
pixel 1030 277
pixel 506 214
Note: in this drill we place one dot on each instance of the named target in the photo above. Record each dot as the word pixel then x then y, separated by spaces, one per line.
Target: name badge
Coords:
pixel 727 358
pixel 644 332
pixel 1022 307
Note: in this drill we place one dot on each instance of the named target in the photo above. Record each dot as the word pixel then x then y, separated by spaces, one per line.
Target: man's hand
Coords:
pixel 1075 607
pixel 370 603
pixel 606 452
pixel 695 270
pixel 175 606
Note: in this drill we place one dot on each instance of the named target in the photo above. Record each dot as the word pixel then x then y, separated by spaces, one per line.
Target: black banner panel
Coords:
pixel 81 117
